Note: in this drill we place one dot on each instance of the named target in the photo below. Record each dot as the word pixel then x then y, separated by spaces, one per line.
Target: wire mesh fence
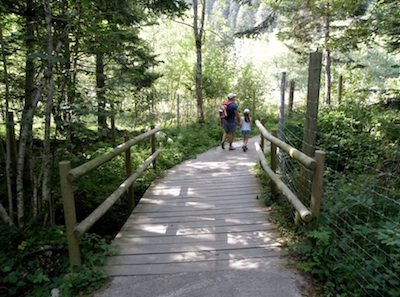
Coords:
pixel 359 227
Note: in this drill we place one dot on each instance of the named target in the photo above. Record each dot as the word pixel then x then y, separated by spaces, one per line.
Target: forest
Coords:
pixel 79 76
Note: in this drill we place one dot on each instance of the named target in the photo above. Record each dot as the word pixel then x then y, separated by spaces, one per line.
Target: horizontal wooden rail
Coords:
pixel 304 212
pixel 79 171
pixel 90 220
pixel 307 161
pixel 68 176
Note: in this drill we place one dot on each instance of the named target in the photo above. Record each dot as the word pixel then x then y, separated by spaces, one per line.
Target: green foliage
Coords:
pixel 354 252
pixel 353 131
pixel 81 281
pixel 36 261
pixel 383 22
pixel 188 142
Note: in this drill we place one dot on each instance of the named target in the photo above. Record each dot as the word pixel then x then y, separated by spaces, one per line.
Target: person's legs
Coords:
pixel 246 139
pixel 225 135
pixel 228 137
pixel 231 134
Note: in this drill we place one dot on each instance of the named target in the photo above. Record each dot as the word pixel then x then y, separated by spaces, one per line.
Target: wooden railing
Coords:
pixel 315 164
pixel 68 176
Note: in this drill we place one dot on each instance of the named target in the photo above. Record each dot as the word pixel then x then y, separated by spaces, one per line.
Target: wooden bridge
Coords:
pixel 202 230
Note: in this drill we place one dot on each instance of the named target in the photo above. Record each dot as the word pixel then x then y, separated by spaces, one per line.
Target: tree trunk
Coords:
pixel 198 36
pixel 25 131
pixel 46 191
pixel 101 101
pixel 327 61
pixel 26 123
pixel 9 131
pixel 4 216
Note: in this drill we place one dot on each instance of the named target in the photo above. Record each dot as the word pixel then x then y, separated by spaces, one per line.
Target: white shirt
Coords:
pixel 245 125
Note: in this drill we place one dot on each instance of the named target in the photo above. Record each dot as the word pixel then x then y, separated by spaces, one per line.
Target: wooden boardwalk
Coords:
pixel 205 214
pixel 200 231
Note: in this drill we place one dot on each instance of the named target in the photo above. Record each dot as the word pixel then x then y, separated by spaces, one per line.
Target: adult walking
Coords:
pixel 230 121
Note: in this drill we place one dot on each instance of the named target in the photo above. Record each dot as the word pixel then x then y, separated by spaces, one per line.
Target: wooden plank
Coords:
pixel 179 206
pixel 205 214
pixel 136 239
pixel 169 200
pixel 190 257
pixel 245 220
pixel 256 222
pixel 153 209
pixel 137 219
pixel 189 247
pixel 205 180
pixel 168 268
pixel 206 191
pixel 193 231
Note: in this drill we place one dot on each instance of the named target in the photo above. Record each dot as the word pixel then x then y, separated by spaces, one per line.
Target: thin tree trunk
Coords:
pixel 46 191
pixel 8 219
pixel 101 102
pixel 6 83
pixel 327 61
pixel 8 132
pixel 25 130
pixel 198 36
pixel 4 216
pixel 36 181
pixel 26 125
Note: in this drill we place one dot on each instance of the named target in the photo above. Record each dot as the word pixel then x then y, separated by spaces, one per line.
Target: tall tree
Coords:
pixel 307 26
pixel 25 129
pixel 383 22
pixel 319 24
pixel 3 213
pixel 198 28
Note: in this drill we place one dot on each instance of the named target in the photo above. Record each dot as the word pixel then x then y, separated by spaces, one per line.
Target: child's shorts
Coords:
pixel 245 132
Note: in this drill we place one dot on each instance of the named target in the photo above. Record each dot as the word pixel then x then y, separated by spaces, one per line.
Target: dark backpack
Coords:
pixel 224 110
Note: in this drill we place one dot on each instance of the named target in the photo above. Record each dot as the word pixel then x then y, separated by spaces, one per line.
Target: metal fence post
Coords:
pixel 69 214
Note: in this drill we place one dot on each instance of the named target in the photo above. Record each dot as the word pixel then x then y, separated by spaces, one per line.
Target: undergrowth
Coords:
pixel 354 250
pixel 34 261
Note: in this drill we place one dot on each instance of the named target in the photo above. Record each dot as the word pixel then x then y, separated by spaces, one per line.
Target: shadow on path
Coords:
pixel 201 230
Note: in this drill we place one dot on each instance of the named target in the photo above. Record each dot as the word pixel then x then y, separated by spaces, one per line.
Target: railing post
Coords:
pixel 128 169
pixel 291 97
pixel 274 161
pixel 262 142
pixel 340 89
pixel 316 192
pixel 310 127
pixel 69 214
pixel 153 146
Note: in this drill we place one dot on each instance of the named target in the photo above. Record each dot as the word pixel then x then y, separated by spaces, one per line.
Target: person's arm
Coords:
pixel 238 119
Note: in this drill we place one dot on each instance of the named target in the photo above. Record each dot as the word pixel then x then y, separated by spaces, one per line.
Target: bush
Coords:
pixel 36 261
pixel 355 250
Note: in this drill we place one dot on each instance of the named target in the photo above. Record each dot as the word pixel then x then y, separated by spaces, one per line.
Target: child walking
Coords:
pixel 245 128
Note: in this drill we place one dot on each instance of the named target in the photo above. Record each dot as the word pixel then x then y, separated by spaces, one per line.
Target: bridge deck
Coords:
pixel 204 215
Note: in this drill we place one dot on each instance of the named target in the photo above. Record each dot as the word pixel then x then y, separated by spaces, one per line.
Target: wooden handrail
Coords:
pixel 68 176
pixel 91 219
pixel 307 161
pixel 79 171
pixel 304 212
